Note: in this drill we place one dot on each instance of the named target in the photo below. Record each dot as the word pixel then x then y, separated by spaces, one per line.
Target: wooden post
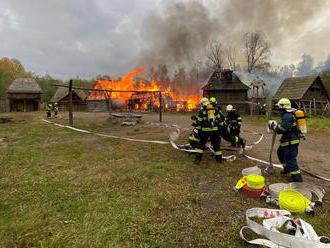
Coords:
pixel 70 104
pixel 310 109
pixel 107 102
pixel 314 105
pixel 160 107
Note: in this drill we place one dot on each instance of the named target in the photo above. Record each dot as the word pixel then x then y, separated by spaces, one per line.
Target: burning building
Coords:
pixel 138 94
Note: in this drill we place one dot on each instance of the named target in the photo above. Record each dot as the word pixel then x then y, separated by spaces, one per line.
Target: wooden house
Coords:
pixel 61 96
pixel 307 93
pixel 227 88
pixel 24 95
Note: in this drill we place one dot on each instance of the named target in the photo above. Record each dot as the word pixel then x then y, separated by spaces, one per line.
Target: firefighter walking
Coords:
pixel 55 108
pixel 49 110
pixel 289 142
pixel 208 120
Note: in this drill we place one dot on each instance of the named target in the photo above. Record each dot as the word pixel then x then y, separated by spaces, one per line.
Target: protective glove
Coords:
pixel 272 124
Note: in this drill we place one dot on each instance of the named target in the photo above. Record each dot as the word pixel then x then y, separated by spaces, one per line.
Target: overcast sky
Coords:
pixel 68 38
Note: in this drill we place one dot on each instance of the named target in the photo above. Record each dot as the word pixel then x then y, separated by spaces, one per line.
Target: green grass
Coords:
pixel 315 123
pixel 60 188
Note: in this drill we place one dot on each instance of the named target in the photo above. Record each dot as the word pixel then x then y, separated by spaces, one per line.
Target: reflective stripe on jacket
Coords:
pixel 288 128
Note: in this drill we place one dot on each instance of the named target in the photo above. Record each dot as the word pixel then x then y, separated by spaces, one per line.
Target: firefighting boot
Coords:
pixel 198 158
pixel 219 159
pixel 297 178
pixel 285 170
pixel 243 143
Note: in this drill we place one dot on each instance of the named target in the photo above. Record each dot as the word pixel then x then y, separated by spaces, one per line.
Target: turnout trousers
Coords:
pixel 288 157
pixel 215 142
pixel 236 140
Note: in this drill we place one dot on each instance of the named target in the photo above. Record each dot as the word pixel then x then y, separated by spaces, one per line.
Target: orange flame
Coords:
pixel 127 83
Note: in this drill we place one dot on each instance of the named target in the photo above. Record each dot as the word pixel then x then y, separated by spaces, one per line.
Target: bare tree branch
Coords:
pixel 256 49
pixel 231 57
pixel 215 54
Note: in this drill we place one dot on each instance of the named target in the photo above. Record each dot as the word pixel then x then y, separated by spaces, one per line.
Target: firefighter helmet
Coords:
pixel 284 103
pixel 204 101
pixel 213 100
pixel 229 107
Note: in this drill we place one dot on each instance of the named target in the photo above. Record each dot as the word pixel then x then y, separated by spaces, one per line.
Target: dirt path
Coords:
pixel 313 156
pixel 313 152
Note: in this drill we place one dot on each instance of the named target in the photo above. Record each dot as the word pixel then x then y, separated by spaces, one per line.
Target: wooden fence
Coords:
pixel 3 106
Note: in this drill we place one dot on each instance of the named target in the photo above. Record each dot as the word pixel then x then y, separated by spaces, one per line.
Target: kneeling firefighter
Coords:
pixel 288 149
pixel 208 119
pixel 234 122
pixel 194 136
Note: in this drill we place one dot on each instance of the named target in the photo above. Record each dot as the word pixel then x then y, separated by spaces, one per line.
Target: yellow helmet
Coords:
pixel 229 107
pixel 204 101
pixel 213 100
pixel 284 103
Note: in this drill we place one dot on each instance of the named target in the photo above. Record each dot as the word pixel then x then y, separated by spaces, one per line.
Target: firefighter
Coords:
pixel 289 142
pixel 208 121
pixel 233 123
pixel 49 110
pixel 55 109
pixel 221 116
pixel 194 136
pixel 214 102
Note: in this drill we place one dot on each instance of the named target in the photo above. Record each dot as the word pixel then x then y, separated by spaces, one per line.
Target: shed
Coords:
pixel 24 95
pixel 308 93
pixel 227 88
pixel 61 96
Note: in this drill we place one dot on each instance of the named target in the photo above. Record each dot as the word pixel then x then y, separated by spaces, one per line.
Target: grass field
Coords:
pixel 61 188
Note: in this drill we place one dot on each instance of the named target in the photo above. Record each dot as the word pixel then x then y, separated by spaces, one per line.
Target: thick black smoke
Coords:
pixel 182 30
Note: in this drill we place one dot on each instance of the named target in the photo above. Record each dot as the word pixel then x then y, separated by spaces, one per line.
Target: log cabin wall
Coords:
pixel 24 102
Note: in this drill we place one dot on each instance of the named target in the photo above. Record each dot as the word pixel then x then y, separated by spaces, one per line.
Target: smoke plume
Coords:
pixel 180 32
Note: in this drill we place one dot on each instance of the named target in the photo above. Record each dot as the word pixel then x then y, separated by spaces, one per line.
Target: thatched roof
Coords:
pixel 226 80
pixel 24 85
pixel 62 92
pixel 295 87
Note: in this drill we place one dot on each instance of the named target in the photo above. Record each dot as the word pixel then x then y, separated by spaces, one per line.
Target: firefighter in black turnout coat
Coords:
pixel 194 136
pixel 288 149
pixel 233 123
pixel 209 121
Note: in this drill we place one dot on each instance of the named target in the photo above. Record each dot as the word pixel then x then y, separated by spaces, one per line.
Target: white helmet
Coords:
pixel 204 101
pixel 229 108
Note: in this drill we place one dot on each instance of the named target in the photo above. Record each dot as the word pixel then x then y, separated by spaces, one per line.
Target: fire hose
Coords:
pixel 108 135
pixel 273 223
pixel 280 166
pixel 171 138
pixel 175 146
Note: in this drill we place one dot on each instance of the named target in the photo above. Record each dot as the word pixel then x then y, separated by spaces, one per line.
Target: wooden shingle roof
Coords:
pixel 218 82
pixel 24 85
pixel 295 87
pixel 62 92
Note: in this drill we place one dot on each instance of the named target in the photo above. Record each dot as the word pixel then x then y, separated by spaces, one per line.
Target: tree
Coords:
pixel 10 69
pixel 231 55
pixel 215 55
pixel 305 66
pixel 288 70
pixel 256 49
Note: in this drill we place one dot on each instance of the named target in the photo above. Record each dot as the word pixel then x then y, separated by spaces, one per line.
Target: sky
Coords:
pixel 85 38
